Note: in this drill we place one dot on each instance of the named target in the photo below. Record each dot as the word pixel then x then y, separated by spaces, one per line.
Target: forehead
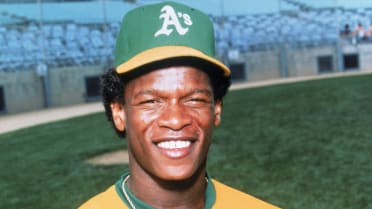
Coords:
pixel 171 78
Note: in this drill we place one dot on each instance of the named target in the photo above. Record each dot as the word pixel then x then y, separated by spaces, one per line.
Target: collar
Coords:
pixel 210 194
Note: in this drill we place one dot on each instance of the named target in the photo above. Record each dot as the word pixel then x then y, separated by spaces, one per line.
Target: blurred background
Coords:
pixel 52 52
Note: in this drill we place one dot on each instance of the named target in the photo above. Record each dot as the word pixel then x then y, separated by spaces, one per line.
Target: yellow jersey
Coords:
pixel 225 198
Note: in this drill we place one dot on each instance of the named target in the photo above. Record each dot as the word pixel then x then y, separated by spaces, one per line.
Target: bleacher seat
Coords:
pixel 77 44
pixel 57 31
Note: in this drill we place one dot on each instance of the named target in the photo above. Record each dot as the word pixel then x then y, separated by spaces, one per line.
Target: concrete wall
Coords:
pixel 365 54
pixel 299 61
pixel 263 65
pixel 304 61
pixel 23 90
pixel 259 65
pixel 67 85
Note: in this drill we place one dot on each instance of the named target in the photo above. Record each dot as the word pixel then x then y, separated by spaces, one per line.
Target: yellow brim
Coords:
pixel 166 52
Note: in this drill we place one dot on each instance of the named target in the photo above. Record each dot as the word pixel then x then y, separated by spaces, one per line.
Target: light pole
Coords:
pixel 42 67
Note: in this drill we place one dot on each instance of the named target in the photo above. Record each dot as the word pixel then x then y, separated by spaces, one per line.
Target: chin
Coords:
pixel 182 173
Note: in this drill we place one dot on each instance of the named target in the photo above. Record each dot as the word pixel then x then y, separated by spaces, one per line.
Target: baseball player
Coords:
pixel 165 97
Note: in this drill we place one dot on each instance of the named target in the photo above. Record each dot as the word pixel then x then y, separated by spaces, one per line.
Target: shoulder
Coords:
pixel 228 197
pixel 107 199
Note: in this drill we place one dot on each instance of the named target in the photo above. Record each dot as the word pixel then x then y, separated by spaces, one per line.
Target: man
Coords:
pixel 165 96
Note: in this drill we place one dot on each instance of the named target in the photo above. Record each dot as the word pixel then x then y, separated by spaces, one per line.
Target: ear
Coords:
pixel 217 112
pixel 118 115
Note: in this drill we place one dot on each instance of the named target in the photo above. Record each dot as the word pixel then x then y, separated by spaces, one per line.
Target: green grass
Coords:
pixel 304 145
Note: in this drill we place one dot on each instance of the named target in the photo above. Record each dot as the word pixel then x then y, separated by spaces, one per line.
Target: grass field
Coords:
pixel 305 145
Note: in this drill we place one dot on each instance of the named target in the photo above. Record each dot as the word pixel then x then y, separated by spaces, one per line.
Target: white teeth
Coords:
pixel 174 144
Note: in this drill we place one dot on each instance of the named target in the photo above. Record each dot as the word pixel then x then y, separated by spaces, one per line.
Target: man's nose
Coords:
pixel 175 116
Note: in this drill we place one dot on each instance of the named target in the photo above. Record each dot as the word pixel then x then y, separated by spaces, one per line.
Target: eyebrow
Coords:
pixel 203 91
pixel 153 91
pixel 145 92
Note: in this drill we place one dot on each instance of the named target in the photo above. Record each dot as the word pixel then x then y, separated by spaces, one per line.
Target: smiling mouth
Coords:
pixel 175 149
pixel 174 144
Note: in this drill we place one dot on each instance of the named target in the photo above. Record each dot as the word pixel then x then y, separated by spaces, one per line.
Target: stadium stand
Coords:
pixel 302 28
pixel 59 44
pixel 69 43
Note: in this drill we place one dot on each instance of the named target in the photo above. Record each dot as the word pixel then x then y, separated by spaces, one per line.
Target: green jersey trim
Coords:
pixel 210 194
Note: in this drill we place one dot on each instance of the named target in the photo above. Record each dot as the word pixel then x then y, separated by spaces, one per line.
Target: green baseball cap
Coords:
pixel 163 31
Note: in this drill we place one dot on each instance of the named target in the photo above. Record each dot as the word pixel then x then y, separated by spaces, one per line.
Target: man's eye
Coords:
pixel 198 101
pixel 149 101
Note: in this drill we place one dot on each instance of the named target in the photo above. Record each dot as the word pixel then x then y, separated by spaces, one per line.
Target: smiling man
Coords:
pixel 165 97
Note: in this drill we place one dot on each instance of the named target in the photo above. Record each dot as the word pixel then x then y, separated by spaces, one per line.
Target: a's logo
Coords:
pixel 170 18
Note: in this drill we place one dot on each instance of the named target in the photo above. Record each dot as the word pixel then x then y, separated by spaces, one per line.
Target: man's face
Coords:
pixel 169 115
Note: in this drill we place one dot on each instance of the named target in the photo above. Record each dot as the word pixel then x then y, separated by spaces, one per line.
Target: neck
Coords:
pixel 189 193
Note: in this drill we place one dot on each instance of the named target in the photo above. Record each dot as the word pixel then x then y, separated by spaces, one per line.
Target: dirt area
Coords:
pixel 13 122
pixel 111 158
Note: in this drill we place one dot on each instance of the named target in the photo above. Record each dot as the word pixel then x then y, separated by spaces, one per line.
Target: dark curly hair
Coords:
pixel 113 84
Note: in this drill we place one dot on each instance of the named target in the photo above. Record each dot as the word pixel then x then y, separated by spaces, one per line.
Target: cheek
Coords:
pixel 206 121
pixel 139 123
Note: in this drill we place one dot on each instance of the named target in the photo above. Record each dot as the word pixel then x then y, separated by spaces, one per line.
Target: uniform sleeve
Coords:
pixel 228 197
